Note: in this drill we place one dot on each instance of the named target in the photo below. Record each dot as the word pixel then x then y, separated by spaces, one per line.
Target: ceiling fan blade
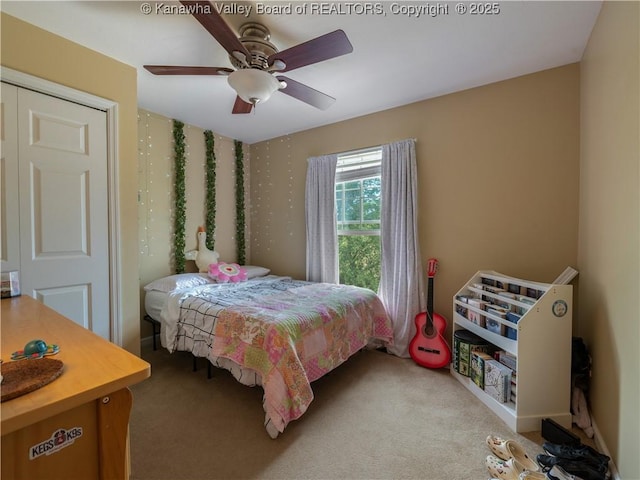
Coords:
pixel 241 106
pixel 322 48
pixel 215 25
pixel 306 94
pixel 178 70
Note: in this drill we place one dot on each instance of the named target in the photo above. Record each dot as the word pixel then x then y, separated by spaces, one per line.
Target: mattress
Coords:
pixel 153 303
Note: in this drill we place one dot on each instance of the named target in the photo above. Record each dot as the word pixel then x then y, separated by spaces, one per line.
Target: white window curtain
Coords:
pixel 322 235
pixel 402 280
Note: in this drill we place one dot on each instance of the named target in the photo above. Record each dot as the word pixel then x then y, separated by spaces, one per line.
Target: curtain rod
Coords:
pixel 364 149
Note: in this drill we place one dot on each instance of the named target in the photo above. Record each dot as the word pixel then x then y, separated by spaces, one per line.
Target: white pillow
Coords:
pixel 253 271
pixel 179 281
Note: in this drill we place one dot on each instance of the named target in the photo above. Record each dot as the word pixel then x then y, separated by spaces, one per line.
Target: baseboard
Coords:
pixel 602 447
pixel 147 342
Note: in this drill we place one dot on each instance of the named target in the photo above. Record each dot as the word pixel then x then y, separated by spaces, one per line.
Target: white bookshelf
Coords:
pixel 542 348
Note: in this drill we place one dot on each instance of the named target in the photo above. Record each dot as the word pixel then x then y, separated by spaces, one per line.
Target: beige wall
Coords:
pixel 498 179
pixel 39 53
pixel 609 246
pixel 502 186
pixel 157 201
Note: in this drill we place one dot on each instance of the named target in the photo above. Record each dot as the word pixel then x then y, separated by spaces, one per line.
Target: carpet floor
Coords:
pixel 375 417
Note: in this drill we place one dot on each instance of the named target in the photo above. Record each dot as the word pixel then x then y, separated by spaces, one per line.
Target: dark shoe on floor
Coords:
pixel 577 468
pixel 579 452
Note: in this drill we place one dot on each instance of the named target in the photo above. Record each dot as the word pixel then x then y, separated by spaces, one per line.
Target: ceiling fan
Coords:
pixel 258 63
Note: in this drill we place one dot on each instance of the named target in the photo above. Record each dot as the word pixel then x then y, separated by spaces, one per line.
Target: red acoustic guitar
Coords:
pixel 428 347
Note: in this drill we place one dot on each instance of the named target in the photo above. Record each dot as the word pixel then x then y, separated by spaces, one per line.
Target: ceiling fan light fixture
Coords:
pixel 252 85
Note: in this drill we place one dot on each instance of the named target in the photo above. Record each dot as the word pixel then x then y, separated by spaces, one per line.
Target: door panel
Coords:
pixel 60 198
pixel 58 133
pixel 64 208
pixel 71 301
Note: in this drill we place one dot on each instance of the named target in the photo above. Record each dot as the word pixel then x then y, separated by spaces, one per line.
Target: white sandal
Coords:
pixel 506 449
pixel 504 469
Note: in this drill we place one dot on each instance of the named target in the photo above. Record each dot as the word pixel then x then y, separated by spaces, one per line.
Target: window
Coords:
pixel 358 217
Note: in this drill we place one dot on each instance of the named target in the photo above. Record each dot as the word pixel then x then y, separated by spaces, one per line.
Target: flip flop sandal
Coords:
pixel 504 469
pixel 506 449
pixel 35 349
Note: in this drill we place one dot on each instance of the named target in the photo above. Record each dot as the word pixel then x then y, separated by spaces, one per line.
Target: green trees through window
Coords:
pixel 359 258
pixel 358 192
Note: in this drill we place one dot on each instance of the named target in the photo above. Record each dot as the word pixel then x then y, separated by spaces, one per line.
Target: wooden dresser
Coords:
pixel 90 402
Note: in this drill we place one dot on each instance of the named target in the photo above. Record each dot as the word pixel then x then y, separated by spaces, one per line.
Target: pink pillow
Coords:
pixel 227 272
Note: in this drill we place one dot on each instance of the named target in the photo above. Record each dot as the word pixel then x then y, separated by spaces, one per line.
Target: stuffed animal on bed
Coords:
pixel 203 256
pixel 227 272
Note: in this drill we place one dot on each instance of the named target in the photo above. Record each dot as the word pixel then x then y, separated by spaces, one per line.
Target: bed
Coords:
pixel 270 331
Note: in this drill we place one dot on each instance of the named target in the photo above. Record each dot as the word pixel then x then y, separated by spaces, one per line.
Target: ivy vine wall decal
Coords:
pixel 240 220
pixel 179 188
pixel 210 166
pixel 210 185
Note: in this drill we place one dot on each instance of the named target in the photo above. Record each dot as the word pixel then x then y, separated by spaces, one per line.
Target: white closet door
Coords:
pixel 9 212
pixel 64 208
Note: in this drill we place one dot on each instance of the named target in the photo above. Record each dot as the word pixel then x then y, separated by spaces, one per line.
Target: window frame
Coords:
pixel 360 207
pixel 355 168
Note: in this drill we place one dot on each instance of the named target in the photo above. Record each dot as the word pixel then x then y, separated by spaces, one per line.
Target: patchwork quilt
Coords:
pixel 276 332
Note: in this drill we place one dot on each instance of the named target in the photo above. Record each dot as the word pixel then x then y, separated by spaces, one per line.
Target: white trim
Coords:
pixel 360 152
pixel 346 233
pixel 47 87
pixel 601 447
pixel 115 246
pixel 41 85
pixel 146 342
pixel 359 164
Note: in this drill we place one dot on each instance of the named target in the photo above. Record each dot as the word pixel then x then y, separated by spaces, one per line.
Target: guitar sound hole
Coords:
pixel 429 330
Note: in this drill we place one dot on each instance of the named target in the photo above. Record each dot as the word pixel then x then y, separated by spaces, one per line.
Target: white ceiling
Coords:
pixel 397 59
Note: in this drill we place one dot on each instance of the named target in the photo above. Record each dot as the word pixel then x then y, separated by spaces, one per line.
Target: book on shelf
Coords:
pixel 497 380
pixel 506 359
pixel 478 360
